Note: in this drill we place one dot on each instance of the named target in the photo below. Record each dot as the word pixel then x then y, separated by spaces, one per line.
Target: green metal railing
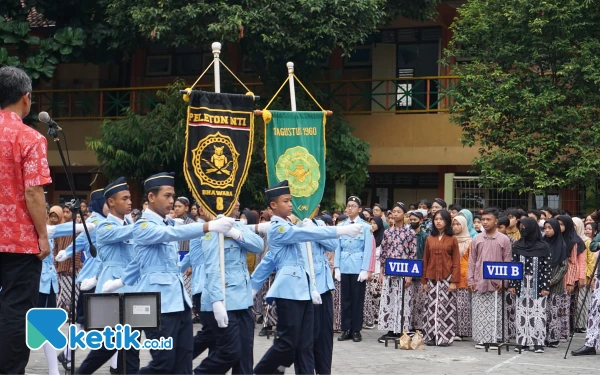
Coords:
pixel 351 97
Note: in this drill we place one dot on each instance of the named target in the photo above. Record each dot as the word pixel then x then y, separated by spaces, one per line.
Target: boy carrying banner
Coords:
pixel 291 289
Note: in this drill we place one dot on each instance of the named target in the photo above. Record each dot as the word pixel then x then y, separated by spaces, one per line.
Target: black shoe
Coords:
pixel 263 331
pixel 196 320
pixel 430 343
pixel 114 370
pixel 62 358
pixel 357 337
pixel 553 344
pixel 584 350
pixel 345 336
pixel 580 330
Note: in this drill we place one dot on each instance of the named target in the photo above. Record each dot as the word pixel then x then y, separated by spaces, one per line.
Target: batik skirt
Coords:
pixel 487 317
pixel 440 321
pixel 592 336
pixel 390 310
pixel 557 317
pixel 531 315
pixel 418 305
pixel 463 312
pixel 372 301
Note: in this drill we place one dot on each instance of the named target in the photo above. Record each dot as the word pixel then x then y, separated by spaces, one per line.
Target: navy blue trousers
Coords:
pixel 178 360
pixel 234 344
pixel 352 302
pixel 319 359
pixel 294 334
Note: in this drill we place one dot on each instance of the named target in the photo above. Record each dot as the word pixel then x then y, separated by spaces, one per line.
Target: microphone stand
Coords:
pixel 75 208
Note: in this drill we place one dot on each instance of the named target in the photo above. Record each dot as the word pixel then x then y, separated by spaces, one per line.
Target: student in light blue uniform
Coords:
pixel 292 290
pixel 352 259
pixel 115 234
pixel 229 316
pixel 114 237
pixel 319 360
pixel 87 276
pixel 49 285
pixel 157 257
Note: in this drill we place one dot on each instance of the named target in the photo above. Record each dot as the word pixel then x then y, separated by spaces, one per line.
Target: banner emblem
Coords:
pixel 219 143
pixel 301 169
pixel 211 164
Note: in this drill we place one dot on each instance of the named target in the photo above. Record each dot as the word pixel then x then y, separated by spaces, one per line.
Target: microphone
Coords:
pixel 45 118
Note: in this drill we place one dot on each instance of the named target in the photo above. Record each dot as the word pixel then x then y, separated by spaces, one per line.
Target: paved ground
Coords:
pixel 370 357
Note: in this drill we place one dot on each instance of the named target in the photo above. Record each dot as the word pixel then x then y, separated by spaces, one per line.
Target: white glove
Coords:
pixel 178 222
pixel 222 225
pixel 220 314
pixel 51 230
pixel 337 274
pixel 79 228
pixel 254 293
pixel 263 228
pixel 362 276
pixel 234 233
pixel 316 297
pixel 112 285
pixel 308 223
pixel 88 284
pixel 61 256
pixel 351 230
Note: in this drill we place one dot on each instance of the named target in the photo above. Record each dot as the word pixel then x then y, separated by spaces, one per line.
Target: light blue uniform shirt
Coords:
pixel 195 259
pixel 156 254
pixel 48 277
pixel 288 257
pixel 354 254
pixel 321 263
pixel 115 249
pixel 238 291
pixel 91 266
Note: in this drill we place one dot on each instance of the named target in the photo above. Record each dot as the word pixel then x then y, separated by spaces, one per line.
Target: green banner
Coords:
pixel 295 151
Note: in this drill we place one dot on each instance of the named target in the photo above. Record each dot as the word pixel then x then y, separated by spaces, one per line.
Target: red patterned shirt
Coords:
pixel 23 163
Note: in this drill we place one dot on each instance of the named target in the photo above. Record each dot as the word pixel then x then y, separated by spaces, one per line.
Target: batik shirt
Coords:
pixel 398 243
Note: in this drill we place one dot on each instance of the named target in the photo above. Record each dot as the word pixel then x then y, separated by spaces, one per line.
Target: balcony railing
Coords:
pixel 390 95
pixel 351 97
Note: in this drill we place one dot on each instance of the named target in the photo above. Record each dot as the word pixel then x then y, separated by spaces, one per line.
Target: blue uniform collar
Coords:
pixel 115 219
pixel 277 218
pixel 154 217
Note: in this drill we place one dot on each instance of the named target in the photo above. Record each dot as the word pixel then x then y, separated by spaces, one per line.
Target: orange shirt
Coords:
pixel 464 270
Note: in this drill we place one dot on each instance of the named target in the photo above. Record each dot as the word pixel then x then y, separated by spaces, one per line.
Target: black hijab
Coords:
pixel 250 217
pixel 570 236
pixel 378 234
pixel 558 248
pixel 531 244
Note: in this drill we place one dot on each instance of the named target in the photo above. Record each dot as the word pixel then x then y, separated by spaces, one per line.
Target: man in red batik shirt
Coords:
pixel 23 236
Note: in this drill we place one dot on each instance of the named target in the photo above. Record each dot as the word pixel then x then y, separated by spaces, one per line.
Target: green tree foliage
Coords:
pixel 74 31
pixel 529 98
pixel 268 31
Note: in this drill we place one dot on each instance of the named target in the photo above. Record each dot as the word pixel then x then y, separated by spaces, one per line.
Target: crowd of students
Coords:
pixel 452 301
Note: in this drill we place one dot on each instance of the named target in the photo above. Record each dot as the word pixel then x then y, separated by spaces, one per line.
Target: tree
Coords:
pixel 75 31
pixel 529 98
pixel 269 31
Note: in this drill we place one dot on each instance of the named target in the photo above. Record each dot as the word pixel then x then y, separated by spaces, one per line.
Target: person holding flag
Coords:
pixel 156 244
pixel 292 290
pixel 228 312
pixel 319 360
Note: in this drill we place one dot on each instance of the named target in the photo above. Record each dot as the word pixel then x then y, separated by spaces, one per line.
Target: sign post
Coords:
pixel 503 271
pixel 402 268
